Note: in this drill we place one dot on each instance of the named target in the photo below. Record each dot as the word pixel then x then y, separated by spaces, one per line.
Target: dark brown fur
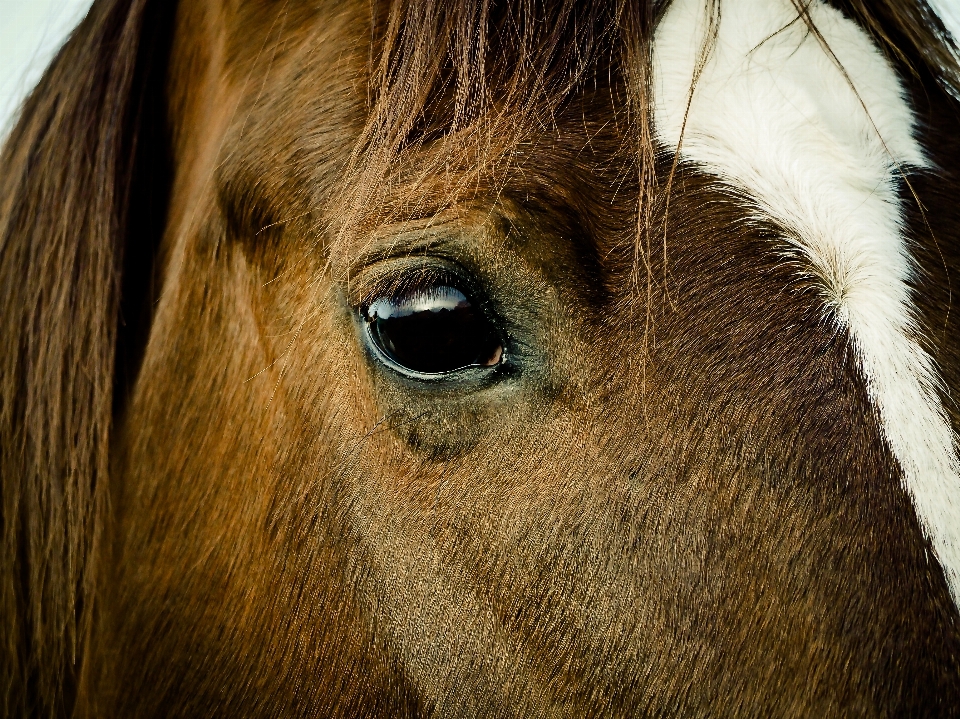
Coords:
pixel 215 504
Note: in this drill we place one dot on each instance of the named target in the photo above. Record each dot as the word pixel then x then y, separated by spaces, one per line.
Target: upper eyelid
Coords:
pixel 441 251
pixel 397 247
pixel 392 283
pixel 395 274
pixel 448 234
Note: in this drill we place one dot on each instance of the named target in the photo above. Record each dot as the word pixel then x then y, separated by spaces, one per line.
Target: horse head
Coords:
pixel 484 359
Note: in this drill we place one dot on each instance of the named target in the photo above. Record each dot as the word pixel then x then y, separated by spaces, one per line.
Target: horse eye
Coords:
pixel 432 330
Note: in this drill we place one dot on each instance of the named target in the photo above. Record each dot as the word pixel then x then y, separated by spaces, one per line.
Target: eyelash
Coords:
pixel 398 283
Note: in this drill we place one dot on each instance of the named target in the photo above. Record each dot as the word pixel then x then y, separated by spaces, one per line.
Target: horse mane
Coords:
pixel 82 203
pixel 65 201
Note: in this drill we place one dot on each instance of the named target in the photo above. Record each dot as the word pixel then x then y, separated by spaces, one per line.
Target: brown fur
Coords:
pixel 215 504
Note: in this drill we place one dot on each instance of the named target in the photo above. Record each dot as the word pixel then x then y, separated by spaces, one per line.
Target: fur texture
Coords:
pixel 674 499
pixel 806 117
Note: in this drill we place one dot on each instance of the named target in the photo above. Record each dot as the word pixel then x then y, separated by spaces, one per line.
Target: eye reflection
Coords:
pixel 432 330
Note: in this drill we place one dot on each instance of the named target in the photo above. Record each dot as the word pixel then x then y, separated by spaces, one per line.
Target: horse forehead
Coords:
pixel 814 129
pixel 770 86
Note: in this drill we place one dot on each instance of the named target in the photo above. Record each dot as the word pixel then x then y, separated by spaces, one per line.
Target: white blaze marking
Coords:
pixel 774 116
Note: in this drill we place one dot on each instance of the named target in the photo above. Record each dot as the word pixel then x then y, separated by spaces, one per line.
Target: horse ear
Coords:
pixel 82 172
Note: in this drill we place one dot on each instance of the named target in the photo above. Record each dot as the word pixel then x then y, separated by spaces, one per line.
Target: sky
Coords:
pixel 31 31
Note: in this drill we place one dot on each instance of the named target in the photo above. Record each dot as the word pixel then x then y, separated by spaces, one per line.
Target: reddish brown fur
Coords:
pixel 678 504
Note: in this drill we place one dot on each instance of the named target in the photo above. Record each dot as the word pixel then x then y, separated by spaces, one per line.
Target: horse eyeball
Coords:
pixel 432 330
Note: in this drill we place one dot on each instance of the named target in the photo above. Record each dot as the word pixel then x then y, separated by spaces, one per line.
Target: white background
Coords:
pixel 31 31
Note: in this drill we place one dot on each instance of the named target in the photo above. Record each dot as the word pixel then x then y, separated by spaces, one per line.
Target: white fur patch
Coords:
pixel 773 115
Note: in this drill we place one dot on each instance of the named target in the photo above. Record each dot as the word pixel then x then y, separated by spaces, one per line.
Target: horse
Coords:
pixel 484 359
